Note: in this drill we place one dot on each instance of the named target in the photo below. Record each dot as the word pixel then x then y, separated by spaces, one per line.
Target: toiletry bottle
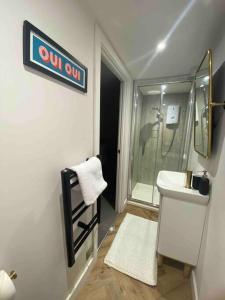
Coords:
pixel 204 184
pixel 195 181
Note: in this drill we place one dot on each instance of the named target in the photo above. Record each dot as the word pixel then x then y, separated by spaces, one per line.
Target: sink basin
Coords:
pixel 172 184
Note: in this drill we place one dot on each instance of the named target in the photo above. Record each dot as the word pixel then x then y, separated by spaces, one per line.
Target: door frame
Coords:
pixel 104 52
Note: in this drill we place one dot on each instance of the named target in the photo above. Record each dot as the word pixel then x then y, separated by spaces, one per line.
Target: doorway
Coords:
pixel 109 130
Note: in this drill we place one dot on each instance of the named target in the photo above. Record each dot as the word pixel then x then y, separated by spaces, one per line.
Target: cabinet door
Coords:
pixel 180 231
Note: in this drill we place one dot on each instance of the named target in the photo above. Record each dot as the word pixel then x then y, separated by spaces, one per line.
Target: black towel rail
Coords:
pixel 73 215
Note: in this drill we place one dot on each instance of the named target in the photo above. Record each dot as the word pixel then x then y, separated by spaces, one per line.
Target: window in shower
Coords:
pixel 160 118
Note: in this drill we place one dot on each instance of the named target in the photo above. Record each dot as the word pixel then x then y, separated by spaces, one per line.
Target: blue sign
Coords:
pixel 43 54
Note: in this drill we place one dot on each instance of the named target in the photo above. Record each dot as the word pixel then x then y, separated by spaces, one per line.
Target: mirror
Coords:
pixel 203 107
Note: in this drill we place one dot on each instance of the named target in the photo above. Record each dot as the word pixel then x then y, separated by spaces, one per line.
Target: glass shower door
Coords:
pixel 146 133
pixel 159 116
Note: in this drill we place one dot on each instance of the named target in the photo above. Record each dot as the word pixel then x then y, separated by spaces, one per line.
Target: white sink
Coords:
pixel 172 185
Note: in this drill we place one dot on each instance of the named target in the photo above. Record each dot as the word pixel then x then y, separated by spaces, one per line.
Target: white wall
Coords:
pixel 44 127
pixel 210 271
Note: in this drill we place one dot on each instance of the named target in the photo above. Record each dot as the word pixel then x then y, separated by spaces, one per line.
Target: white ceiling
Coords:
pixel 171 88
pixel 136 26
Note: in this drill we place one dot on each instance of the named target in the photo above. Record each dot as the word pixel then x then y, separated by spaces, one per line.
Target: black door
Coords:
pixel 109 123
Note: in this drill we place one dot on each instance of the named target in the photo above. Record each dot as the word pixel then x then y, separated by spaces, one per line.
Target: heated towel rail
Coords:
pixel 70 180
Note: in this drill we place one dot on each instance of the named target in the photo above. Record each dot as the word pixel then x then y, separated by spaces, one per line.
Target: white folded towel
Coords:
pixel 90 178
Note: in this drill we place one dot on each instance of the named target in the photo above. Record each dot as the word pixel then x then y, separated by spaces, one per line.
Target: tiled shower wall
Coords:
pixel 148 160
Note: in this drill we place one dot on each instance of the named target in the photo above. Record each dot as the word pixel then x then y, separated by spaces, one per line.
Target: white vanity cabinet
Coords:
pixel 182 218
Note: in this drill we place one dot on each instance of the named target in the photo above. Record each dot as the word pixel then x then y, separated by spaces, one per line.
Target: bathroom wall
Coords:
pixel 210 271
pixel 45 126
pixel 150 158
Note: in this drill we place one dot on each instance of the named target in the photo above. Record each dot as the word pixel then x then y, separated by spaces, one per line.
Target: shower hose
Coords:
pixel 164 154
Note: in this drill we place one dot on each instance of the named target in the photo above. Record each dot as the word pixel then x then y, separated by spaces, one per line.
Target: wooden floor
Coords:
pixel 106 283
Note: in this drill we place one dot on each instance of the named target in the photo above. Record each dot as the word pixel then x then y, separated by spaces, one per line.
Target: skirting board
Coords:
pixel 194 289
pixel 124 206
pixel 78 285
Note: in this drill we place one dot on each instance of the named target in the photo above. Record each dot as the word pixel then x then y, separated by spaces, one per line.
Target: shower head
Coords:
pixel 159 115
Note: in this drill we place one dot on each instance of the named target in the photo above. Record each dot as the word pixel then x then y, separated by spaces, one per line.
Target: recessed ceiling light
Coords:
pixel 206 78
pixel 163 87
pixel 161 46
pixel 201 85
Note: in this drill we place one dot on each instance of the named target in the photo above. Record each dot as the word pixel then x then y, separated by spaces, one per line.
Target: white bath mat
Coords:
pixel 133 250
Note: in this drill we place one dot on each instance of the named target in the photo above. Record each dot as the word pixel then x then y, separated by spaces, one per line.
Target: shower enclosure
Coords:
pixel 160 135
